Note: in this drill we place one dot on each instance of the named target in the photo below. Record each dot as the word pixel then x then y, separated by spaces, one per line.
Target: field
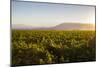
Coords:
pixel 48 47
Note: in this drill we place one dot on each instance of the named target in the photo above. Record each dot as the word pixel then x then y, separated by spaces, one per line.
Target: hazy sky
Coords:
pixel 46 14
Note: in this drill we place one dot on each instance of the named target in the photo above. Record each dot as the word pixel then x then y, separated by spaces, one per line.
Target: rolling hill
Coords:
pixel 74 26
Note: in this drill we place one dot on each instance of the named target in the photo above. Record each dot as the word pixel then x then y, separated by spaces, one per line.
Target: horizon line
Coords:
pixel 53 25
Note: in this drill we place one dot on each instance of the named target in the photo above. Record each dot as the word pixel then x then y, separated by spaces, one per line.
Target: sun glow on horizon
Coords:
pixel 47 15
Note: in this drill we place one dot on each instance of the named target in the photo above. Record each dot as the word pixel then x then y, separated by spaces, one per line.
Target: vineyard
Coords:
pixel 49 47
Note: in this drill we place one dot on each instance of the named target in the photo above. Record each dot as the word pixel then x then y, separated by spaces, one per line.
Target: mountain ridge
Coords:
pixel 62 26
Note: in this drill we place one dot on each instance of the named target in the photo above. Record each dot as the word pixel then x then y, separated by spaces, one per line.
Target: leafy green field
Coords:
pixel 46 47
